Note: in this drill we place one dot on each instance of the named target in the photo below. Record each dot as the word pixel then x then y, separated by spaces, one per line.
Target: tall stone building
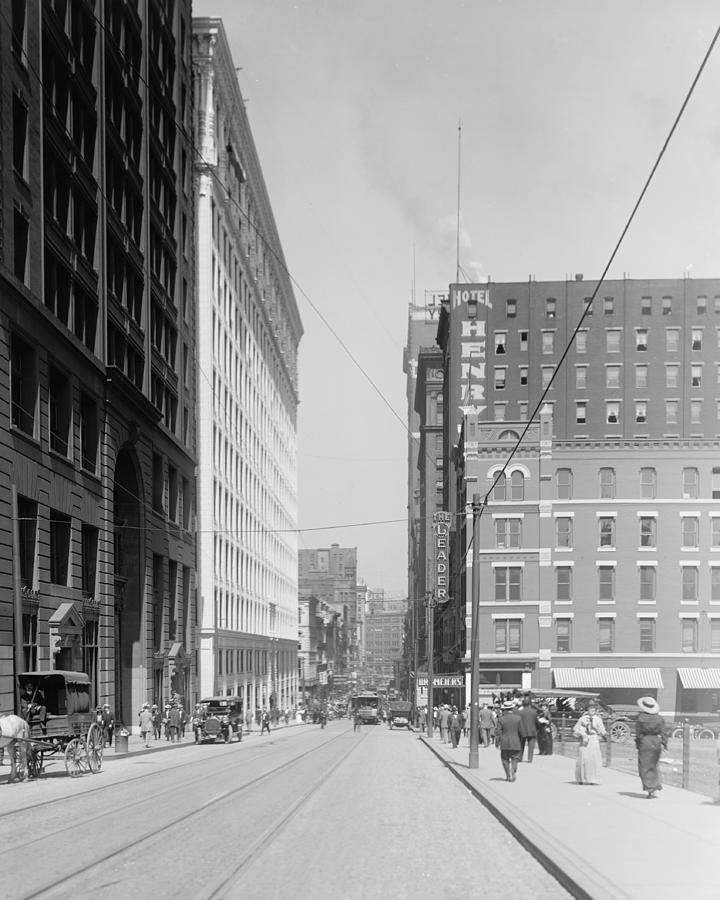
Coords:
pixel 249 330
pixel 97 336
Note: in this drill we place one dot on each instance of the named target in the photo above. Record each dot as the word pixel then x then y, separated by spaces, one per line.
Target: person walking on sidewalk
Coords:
pixel 264 722
pixel 454 727
pixel 544 731
pixel 650 740
pixel 589 729
pixel 146 725
pixel 528 727
pixel 487 724
pixel 444 719
pixel 508 731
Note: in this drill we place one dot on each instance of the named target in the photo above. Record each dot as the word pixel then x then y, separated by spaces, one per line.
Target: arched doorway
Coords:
pixel 129 571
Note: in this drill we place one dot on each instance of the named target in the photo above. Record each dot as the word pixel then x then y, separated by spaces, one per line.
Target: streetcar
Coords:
pixel 61 722
pixel 366 705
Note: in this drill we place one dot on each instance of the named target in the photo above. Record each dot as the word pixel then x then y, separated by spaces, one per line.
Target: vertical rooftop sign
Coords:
pixel 441 527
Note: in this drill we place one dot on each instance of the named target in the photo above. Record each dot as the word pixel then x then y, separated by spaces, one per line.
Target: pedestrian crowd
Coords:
pixel 518 727
pixel 170 722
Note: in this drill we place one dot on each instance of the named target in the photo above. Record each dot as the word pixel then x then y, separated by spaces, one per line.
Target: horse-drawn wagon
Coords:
pixel 57 708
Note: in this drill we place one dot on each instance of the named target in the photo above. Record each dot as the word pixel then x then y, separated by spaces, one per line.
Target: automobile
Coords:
pixel 566 707
pixel 399 714
pixel 218 719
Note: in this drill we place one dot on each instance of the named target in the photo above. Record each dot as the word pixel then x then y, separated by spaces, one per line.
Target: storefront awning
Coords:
pixel 700 679
pixel 608 678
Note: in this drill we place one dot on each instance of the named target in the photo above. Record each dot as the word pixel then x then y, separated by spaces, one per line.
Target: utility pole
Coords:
pixel 430 651
pixel 473 760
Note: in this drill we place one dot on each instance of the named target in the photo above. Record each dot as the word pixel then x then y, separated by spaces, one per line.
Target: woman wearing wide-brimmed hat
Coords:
pixel 650 740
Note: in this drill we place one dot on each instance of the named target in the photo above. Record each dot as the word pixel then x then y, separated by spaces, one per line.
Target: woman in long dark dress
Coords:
pixel 544 731
pixel 650 740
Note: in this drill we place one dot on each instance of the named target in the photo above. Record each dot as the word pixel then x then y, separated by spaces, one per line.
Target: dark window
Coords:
pixel 647 582
pixel 158 483
pixel 89 432
pixel 517 486
pixel 689 583
pixel 564 531
pixel 172 601
pixel 689 635
pixel 647 635
pixel 60 408
pixel 173 494
pixel 563 634
pixel 690 483
pixel 23 375
pixel 607 483
pixel 500 489
pixel 563 575
pixel 59 547
pixel 20 238
pixel 508 583
pixel 158 594
pixel 27 520
pixel 30 650
pixel 563 478
pixel 20 116
pixel 508 636
pixel 606 629
pixel 18 26
pixel 606 575
pixel 89 560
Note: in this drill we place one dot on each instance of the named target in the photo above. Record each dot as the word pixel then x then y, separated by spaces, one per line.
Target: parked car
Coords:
pixel 566 707
pixel 220 718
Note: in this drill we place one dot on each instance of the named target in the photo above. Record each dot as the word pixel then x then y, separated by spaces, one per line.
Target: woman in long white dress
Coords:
pixel 589 730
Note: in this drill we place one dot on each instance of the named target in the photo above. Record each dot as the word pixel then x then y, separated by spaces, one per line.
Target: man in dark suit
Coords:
pixel 528 727
pixel 508 729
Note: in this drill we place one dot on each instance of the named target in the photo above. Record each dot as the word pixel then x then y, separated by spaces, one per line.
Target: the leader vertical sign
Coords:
pixel 441 526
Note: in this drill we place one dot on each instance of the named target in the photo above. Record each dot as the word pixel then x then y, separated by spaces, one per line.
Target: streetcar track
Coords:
pixel 106 787
pixel 258 846
pixel 167 826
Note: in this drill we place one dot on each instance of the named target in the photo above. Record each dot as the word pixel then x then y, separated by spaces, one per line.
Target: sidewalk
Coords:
pixel 136 744
pixel 603 841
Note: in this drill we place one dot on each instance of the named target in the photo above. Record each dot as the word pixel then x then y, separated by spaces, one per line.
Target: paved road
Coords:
pixel 315 813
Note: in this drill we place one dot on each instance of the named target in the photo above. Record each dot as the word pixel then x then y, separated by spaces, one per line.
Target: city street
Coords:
pixel 320 813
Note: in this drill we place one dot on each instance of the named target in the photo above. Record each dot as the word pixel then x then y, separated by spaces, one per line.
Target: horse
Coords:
pixel 14 735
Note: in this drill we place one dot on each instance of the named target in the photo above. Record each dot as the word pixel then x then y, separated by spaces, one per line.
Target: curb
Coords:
pixel 577 876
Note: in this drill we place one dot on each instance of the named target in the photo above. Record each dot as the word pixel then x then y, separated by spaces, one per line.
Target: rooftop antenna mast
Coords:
pixel 457 245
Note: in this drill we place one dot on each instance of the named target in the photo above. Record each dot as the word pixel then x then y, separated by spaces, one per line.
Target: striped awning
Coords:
pixel 608 678
pixel 700 679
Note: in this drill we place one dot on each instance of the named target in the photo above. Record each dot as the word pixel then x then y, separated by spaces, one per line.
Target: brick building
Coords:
pixel 600 546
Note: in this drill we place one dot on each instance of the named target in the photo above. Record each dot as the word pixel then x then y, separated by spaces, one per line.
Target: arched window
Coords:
pixel 500 489
pixel 508 435
pixel 517 485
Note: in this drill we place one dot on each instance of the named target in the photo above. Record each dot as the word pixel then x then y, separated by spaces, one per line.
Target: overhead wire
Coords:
pixel 588 306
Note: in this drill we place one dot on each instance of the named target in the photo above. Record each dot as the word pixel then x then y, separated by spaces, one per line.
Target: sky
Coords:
pixel 354 106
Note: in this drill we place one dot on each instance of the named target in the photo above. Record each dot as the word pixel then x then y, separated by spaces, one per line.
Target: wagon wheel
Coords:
pixel 706 734
pixel 677 733
pixel 95 743
pixel 620 731
pixel 34 762
pixel 76 758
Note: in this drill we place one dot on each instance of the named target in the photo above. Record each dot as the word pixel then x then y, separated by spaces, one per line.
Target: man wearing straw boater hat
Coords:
pixel 508 728
pixel 650 740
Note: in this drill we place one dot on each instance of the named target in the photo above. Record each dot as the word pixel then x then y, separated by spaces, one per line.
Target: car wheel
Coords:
pixel 620 731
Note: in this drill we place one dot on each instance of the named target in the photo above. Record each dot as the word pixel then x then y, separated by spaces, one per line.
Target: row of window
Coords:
pixel 509 634
pixel 613 375
pixel 60 529
pixel 609 308
pixel 513 488
pixel 611 414
pixel 230 661
pixel 613 340
pixel 508 532
pixel 509 583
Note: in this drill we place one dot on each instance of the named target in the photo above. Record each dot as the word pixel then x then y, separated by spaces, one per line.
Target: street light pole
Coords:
pixel 430 651
pixel 473 760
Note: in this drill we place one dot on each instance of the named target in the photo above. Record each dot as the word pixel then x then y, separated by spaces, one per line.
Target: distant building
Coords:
pixel 330 575
pixel 97 326
pixel 599 545
pixel 248 335
pixel 384 632
pixel 423 367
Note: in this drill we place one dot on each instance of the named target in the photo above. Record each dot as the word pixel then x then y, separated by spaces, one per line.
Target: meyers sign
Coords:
pixel 441 524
